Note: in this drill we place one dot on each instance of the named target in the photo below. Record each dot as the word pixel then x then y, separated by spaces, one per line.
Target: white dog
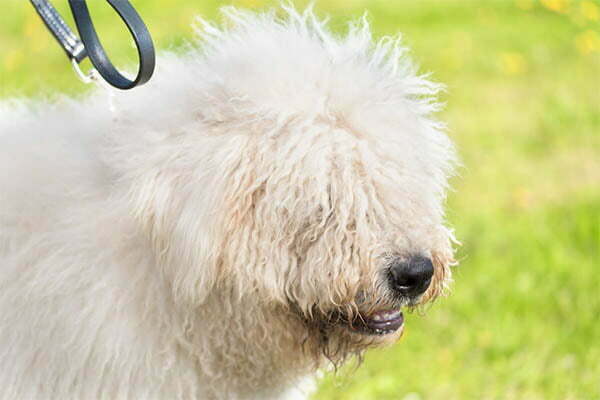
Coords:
pixel 262 209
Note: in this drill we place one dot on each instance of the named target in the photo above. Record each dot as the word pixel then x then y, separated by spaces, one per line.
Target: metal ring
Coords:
pixel 80 74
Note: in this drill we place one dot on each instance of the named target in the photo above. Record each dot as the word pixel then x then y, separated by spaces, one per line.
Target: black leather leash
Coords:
pixel 89 45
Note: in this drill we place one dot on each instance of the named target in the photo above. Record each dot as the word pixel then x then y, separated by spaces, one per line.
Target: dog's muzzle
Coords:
pixel 408 279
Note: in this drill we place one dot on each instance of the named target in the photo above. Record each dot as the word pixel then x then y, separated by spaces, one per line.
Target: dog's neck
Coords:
pixel 242 346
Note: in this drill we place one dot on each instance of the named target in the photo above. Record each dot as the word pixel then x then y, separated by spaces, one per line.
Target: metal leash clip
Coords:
pixel 89 45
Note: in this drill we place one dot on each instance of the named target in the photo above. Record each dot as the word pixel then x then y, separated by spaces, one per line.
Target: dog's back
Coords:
pixel 48 163
pixel 57 255
pixel 83 311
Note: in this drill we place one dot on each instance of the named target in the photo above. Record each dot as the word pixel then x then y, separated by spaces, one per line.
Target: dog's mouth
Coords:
pixel 378 323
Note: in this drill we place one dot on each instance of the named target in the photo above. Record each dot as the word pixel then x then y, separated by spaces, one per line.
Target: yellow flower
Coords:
pixel 556 5
pixel 513 63
pixel 13 60
pixel 587 42
pixel 32 27
pixel 590 10
pixel 522 198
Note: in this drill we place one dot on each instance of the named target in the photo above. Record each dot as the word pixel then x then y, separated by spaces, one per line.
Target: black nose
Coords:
pixel 412 276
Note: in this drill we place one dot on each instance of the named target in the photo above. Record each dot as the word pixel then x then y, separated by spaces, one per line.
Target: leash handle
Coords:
pixel 90 46
pixel 60 30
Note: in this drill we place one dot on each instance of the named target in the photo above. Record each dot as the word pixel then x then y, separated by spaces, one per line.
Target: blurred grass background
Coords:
pixel 523 105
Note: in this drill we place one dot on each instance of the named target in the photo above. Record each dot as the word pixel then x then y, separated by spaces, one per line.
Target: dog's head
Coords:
pixel 315 182
pixel 339 224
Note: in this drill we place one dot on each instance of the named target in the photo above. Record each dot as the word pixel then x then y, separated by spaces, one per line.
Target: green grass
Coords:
pixel 523 105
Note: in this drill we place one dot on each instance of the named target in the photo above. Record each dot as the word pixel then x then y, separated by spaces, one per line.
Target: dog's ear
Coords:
pixel 176 216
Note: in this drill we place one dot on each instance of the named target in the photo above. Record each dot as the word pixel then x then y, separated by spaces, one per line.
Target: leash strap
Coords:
pixel 89 45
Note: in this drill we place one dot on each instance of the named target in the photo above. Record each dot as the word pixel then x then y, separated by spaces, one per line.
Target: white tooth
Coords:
pixel 377 317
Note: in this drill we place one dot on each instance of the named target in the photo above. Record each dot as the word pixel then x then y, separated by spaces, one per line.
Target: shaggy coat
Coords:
pixel 210 235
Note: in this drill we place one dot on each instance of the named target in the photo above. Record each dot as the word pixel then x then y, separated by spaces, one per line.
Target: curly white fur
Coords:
pixel 192 243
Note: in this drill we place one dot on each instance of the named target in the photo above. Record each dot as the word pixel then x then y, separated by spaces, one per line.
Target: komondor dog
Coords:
pixel 263 209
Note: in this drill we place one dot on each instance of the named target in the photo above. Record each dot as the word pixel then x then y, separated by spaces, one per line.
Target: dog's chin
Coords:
pixel 338 336
pixel 366 330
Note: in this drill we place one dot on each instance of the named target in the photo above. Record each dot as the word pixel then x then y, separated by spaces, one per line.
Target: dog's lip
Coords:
pixel 379 323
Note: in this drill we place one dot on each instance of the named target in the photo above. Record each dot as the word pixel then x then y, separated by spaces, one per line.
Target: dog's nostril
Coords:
pixel 411 277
